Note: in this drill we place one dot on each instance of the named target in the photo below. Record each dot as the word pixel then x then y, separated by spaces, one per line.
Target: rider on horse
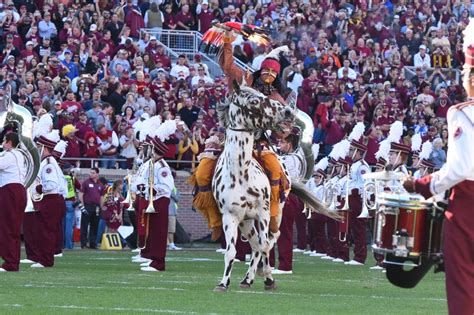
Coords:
pixel 267 81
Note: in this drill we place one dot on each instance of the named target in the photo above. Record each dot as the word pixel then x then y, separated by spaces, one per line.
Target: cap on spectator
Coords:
pixel 349 86
pixel 82 112
pixel 68 129
pixel 125 71
pixel 396 16
pixel 197 58
pixel 392 90
pixel 67 51
pixel 422 47
pixel 93 27
pixel 10 36
pixel 205 2
pixel 29 43
pixel 152 38
pixel 312 49
pixel 10 57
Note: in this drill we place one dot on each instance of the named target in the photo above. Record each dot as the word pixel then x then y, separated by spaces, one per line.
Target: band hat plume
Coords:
pixel 60 149
pixel 382 154
pixel 50 139
pixel 334 154
pixel 395 135
pixel 416 144
pixel 315 150
pixel 161 134
pixel 148 127
pixel 321 167
pixel 355 136
pixel 43 126
pixel 425 154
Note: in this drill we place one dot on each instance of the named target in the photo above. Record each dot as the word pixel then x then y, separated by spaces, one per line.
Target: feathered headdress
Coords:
pixel 416 142
pixel 214 38
pixel 43 126
pixel 335 152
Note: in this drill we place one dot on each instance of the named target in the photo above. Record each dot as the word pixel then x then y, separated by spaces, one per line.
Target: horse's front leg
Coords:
pixel 230 225
pixel 266 244
pixel 248 230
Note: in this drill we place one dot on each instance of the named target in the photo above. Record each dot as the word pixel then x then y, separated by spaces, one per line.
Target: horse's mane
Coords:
pixel 222 109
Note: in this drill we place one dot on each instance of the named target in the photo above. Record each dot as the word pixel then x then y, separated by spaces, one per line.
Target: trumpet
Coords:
pixel 151 183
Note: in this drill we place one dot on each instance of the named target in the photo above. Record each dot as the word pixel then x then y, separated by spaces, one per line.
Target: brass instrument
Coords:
pixel 344 224
pixel 151 183
pixel 305 123
pixel 35 196
pixel 370 189
pixel 18 117
pixel 129 198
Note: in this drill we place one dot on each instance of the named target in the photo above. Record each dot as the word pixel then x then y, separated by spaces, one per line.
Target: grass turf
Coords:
pixel 96 282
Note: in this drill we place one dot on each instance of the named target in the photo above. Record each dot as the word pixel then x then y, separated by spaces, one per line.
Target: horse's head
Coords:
pixel 249 109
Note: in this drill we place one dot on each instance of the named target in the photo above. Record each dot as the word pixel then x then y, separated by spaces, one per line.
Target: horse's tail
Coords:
pixel 306 196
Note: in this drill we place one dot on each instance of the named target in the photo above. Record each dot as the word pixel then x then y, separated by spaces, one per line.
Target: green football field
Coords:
pixel 98 282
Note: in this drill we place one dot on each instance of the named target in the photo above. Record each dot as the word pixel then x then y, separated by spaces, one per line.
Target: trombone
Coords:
pixel 151 184
pixel 344 224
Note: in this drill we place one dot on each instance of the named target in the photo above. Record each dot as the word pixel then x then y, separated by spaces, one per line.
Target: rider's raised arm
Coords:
pixel 226 61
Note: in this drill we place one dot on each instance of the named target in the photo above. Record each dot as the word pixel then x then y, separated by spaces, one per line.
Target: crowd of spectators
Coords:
pixel 86 63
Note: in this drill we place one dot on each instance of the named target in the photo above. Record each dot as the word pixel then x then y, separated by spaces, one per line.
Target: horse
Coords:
pixel 240 185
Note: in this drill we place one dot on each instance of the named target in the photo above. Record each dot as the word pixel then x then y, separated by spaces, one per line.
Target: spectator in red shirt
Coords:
pixel 205 16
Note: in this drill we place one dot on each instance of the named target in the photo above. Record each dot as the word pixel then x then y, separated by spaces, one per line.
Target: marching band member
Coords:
pixel 342 254
pixel 333 176
pixel 159 194
pixel 382 161
pixel 357 226
pixel 317 223
pixel 31 227
pixel 293 206
pixel 139 184
pixel 415 149
pixel 13 201
pixel 58 153
pixel 425 166
pixel 51 206
pixel 458 175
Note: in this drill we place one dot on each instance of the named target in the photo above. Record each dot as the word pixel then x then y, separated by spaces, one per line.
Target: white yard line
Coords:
pixel 31 285
pixel 99 308
pixel 339 295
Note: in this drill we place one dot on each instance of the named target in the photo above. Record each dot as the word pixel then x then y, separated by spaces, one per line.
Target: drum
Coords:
pixel 404 227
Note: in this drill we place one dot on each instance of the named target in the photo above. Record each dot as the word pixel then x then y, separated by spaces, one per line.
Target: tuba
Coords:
pixel 304 152
pixel 19 119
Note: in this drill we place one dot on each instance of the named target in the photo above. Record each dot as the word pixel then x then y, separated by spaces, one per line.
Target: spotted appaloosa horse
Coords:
pixel 240 186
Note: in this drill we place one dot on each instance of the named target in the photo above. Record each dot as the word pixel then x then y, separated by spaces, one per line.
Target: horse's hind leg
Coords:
pixel 247 229
pixel 229 224
pixel 266 244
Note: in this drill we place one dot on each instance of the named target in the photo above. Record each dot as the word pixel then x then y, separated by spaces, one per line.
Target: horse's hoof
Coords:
pixel 244 285
pixel 221 288
pixel 270 285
